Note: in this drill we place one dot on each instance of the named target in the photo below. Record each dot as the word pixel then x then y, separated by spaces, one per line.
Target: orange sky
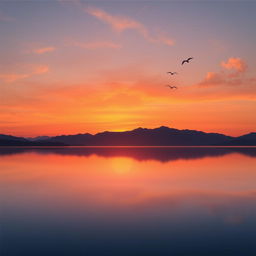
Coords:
pixel 71 67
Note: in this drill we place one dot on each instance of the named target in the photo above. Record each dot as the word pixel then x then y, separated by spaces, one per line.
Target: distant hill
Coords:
pixel 244 140
pixel 38 138
pixel 10 137
pixel 8 140
pixel 162 136
pixel 74 140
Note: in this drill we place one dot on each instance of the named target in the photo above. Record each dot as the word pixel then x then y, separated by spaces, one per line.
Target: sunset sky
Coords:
pixel 71 67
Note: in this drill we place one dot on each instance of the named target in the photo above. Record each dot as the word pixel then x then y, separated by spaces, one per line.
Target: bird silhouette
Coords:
pixel 172 73
pixel 187 60
pixel 172 86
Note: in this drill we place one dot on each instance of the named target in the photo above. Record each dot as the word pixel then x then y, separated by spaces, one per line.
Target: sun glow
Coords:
pixel 121 165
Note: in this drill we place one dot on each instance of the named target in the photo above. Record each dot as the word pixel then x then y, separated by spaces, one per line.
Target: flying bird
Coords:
pixel 172 73
pixel 172 86
pixel 187 60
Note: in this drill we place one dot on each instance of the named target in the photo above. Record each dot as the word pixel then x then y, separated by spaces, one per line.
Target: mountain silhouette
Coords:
pixel 244 140
pixel 162 136
pixel 8 140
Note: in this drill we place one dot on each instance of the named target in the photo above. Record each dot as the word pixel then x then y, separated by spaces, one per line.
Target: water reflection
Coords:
pixel 162 154
pixel 127 201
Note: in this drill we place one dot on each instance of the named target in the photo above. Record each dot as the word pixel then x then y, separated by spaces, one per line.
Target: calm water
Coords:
pixel 128 201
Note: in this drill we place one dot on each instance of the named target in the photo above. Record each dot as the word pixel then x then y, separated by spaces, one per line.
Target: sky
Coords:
pixel 70 67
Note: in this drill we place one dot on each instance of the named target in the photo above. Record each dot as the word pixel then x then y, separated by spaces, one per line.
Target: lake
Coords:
pixel 128 201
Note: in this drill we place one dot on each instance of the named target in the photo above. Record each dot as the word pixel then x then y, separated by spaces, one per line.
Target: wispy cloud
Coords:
pixel 97 45
pixel 121 23
pixel 13 77
pixel 40 70
pixel 44 50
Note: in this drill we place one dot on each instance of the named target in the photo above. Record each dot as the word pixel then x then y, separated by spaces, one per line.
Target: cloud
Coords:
pixel 120 24
pixel 97 45
pixel 236 64
pixel 213 79
pixel 44 50
pixel 231 74
pixel 164 39
pixel 13 77
pixel 40 70
pixel 116 22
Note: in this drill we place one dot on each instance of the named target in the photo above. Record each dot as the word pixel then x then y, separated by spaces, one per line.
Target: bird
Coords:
pixel 172 86
pixel 187 60
pixel 172 73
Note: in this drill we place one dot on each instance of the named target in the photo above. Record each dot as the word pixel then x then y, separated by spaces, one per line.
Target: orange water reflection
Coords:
pixel 123 181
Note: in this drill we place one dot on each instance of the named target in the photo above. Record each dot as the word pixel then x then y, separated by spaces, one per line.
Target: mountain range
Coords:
pixel 161 136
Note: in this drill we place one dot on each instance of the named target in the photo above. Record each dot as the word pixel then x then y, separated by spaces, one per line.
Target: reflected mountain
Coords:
pixel 162 154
